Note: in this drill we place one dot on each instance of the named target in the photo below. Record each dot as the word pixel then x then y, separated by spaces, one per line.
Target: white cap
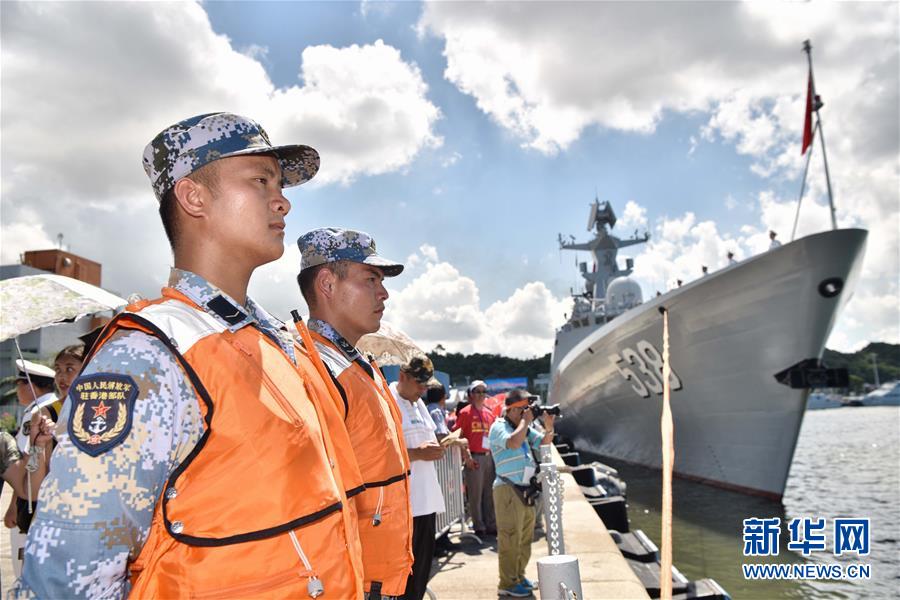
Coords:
pixel 33 368
pixel 477 383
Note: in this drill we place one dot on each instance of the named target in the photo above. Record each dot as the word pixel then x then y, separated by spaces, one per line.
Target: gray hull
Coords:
pixel 730 333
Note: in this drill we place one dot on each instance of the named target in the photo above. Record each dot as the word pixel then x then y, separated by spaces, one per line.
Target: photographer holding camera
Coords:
pixel 514 444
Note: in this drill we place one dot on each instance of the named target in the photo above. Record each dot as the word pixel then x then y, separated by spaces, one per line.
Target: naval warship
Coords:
pixel 745 347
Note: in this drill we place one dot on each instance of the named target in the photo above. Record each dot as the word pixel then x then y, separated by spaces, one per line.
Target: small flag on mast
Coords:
pixel 807 119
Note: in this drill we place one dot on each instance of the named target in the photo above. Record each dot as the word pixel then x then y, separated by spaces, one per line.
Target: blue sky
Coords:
pixel 464 137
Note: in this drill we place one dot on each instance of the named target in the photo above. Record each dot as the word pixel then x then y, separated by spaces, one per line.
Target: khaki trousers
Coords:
pixel 515 530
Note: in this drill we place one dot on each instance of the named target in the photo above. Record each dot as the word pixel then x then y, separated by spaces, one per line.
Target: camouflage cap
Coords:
pixel 181 149
pixel 331 244
pixel 419 368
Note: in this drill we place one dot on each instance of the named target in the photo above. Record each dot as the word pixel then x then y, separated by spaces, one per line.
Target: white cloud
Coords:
pixel 546 74
pixel 451 159
pixel 429 252
pixel 634 215
pixel 86 85
pixel 26 234
pixel 442 306
pixel 256 52
pixel 353 101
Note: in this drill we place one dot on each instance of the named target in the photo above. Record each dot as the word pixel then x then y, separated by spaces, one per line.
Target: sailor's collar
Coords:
pixel 219 304
pixel 328 332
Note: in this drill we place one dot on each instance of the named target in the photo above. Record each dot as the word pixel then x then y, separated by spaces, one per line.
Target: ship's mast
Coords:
pixel 604 247
pixel 814 104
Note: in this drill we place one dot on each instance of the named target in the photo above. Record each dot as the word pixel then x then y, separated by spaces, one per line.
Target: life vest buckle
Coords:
pixel 314 587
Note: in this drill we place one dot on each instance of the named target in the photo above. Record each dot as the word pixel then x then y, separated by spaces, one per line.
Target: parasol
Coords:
pixel 389 346
pixel 36 301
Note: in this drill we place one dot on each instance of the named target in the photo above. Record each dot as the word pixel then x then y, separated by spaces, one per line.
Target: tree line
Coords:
pixel 463 368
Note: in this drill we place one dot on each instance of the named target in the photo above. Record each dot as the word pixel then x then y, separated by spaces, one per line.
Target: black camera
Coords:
pixel 540 409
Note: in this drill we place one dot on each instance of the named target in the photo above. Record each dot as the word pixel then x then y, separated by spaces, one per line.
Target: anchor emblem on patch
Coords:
pixel 102 406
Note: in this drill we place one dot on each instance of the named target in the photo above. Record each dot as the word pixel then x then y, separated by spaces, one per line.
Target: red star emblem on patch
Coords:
pixel 101 409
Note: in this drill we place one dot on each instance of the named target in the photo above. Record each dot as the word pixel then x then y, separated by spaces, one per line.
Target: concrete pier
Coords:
pixel 471 570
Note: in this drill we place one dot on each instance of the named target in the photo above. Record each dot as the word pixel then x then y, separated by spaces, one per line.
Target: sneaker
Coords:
pixel 516 591
pixel 527 583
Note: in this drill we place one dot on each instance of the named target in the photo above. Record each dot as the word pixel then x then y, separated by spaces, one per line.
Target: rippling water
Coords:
pixel 847 464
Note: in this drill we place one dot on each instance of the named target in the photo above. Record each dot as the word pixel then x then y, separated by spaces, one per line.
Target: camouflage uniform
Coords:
pixel 95 512
pixel 329 245
pixel 9 452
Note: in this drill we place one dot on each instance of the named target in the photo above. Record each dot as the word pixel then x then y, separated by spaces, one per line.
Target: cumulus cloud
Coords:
pixel 85 85
pixel 443 306
pixel 546 73
pixel 634 215
pixel 26 234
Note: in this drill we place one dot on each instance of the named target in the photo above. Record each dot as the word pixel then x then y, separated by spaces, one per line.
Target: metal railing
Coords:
pixel 450 475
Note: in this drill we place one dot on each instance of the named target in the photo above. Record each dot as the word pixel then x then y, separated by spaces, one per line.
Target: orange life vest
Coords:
pixel 374 423
pixel 259 509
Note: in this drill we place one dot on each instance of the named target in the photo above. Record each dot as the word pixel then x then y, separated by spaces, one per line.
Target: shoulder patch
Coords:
pixel 101 411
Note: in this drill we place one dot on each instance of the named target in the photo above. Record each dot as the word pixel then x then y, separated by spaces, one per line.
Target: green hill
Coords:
pixel 859 364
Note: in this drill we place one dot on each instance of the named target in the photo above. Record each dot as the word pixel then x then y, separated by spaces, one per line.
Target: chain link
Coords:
pixel 552 485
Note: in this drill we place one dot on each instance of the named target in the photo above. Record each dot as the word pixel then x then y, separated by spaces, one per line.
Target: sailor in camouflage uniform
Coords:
pixel 341 277
pixel 162 404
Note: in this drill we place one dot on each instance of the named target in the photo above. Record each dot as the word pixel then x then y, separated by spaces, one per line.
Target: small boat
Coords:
pixel 888 394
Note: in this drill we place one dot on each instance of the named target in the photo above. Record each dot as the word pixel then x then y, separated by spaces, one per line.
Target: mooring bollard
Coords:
pixel 559 578
pixel 552 503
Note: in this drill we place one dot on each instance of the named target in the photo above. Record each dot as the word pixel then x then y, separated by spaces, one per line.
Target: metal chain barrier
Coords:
pixel 552 494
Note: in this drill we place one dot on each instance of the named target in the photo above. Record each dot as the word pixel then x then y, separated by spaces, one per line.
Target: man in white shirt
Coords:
pixel 423 449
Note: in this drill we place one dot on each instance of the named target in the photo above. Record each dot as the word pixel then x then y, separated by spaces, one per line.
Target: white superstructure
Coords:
pixel 730 332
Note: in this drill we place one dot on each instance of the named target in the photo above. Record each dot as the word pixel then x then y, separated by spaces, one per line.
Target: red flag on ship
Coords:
pixel 807 119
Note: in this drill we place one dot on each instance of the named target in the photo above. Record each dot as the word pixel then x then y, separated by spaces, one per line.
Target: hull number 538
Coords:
pixel 648 363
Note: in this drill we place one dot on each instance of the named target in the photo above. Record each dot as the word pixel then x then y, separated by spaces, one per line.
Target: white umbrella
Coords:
pixel 389 346
pixel 34 301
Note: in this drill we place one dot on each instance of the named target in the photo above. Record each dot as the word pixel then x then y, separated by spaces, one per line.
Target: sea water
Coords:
pixel 847 465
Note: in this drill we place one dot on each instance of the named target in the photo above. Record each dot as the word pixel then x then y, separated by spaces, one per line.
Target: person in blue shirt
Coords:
pixel 514 445
pixel 435 397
